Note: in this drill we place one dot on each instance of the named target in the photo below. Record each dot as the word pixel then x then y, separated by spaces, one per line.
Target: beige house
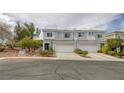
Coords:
pixel 116 35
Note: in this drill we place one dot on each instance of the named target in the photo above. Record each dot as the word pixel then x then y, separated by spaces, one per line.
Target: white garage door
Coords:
pixel 89 48
pixel 64 48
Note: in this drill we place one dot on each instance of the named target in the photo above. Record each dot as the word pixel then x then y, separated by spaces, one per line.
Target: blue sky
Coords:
pixel 116 24
pixel 102 21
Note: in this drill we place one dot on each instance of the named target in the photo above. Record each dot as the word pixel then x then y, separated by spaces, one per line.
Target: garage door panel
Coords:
pixel 64 48
pixel 89 48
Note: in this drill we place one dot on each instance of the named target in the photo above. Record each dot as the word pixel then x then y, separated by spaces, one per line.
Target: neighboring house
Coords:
pixel 116 35
pixel 69 40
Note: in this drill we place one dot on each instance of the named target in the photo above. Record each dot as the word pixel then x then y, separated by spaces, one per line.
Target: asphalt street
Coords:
pixel 41 69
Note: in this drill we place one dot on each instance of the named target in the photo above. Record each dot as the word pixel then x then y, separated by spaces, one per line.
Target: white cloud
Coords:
pixel 62 20
pixel 6 19
pixel 57 20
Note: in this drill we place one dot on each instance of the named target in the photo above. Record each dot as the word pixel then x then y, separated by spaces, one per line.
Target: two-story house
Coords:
pixel 68 40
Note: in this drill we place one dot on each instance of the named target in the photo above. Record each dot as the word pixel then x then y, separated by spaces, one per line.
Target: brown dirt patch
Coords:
pixel 9 53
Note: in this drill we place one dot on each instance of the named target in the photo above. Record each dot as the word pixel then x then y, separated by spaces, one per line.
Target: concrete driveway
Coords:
pixel 103 57
pixel 68 56
pixel 91 56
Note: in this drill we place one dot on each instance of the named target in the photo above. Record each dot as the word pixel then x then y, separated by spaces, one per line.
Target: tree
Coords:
pixel 25 30
pixel 114 43
pixel 30 28
pixel 26 42
pixel 18 32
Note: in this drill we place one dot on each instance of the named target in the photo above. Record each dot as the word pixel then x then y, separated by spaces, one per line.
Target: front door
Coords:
pixel 122 48
pixel 46 46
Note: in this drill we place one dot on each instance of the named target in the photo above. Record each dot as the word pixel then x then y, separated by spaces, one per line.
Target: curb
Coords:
pixel 93 60
pixel 2 58
pixel 54 58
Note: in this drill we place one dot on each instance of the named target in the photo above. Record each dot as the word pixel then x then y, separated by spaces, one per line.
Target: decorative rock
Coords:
pixel 38 50
pixel 22 53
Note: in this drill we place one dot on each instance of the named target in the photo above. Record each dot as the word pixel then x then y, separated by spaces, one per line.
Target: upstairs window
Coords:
pixel 89 33
pixel 80 34
pixel 92 33
pixel 67 35
pixel 49 34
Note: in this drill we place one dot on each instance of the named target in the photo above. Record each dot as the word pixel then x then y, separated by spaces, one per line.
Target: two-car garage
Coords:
pixel 70 47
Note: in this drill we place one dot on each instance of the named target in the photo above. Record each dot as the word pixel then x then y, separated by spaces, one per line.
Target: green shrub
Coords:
pixel 80 52
pixel 85 52
pixel 44 53
pixel 99 51
pixel 50 49
pixel 26 42
pixel 105 49
pixel 120 54
pixel 112 53
pixel 37 44
pixel 48 53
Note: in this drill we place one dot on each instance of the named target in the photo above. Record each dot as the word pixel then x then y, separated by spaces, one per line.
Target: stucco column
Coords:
pixel 76 43
pixel 43 45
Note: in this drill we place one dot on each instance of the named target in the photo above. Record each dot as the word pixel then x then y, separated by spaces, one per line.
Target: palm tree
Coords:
pixel 24 30
pixel 30 29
